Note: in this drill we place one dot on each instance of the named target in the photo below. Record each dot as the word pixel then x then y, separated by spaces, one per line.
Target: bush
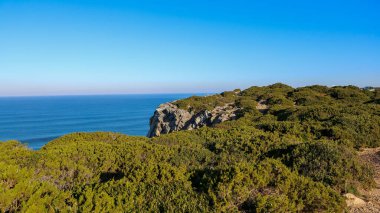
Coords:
pixel 334 165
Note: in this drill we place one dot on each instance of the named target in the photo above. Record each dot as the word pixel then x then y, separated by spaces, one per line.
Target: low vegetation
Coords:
pixel 298 155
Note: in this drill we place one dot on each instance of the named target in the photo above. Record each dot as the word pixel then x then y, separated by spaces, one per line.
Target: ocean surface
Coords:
pixel 38 120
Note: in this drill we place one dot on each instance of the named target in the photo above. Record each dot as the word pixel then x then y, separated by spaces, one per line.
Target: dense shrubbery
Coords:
pixel 299 155
pixel 197 103
pixel 327 162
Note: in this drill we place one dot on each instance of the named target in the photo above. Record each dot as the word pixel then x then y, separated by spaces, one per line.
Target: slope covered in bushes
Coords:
pixel 297 155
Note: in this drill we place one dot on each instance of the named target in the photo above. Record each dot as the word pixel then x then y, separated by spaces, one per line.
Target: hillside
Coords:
pixel 263 149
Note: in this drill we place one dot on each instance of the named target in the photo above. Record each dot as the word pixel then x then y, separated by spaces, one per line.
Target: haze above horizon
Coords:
pixel 83 47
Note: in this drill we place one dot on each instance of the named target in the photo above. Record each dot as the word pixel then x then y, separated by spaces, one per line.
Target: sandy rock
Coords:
pixel 353 201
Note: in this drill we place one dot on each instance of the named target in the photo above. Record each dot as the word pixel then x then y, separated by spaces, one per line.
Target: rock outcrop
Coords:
pixel 169 118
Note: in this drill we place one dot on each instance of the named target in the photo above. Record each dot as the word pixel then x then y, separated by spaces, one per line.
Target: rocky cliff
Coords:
pixel 169 118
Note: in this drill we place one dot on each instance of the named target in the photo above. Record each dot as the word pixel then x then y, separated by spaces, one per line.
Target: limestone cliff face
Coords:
pixel 169 118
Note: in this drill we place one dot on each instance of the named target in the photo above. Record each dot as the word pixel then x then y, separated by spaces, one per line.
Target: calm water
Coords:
pixel 38 120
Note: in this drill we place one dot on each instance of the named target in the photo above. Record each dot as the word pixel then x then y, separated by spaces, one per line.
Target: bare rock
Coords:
pixel 169 118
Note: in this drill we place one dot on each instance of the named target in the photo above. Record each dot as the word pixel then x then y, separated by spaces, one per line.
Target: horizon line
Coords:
pixel 110 94
pixel 170 93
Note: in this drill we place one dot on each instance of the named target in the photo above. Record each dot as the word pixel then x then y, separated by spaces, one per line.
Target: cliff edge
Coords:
pixel 168 117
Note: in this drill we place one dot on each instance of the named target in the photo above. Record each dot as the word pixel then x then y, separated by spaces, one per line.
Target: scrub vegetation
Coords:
pixel 298 155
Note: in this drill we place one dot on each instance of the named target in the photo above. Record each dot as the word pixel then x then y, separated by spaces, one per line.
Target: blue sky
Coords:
pixel 178 46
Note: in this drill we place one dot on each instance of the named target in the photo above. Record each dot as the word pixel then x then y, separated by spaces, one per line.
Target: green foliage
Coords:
pixel 197 103
pixel 310 96
pixel 274 90
pixel 349 93
pixel 329 163
pixel 247 187
pixel 296 156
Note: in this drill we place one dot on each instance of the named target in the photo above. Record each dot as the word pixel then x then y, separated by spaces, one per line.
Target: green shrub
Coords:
pixel 334 165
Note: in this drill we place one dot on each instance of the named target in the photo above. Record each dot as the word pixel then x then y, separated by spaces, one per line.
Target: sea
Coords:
pixel 37 120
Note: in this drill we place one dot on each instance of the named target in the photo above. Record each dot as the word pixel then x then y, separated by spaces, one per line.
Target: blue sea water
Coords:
pixel 38 120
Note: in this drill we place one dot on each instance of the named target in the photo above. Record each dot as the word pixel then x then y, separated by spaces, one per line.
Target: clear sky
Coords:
pixel 174 46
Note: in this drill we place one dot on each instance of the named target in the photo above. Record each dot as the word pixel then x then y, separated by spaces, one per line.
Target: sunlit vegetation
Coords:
pixel 299 155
